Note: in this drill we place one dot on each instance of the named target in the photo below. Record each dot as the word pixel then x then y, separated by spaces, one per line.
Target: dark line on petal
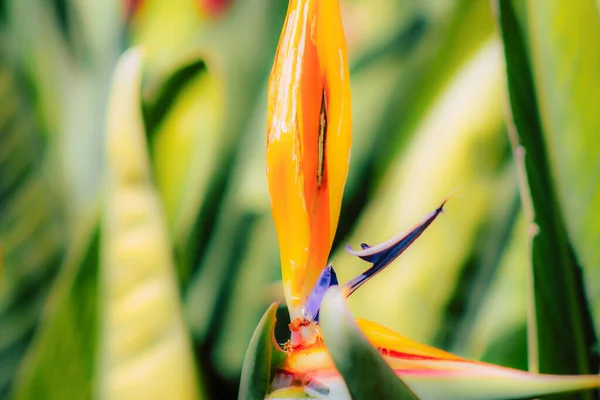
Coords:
pixel 322 138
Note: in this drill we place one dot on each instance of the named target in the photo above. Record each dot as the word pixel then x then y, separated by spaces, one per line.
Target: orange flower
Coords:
pixel 308 141
pixel 308 149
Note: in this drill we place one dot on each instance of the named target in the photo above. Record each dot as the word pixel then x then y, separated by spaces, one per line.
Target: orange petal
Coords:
pixel 399 351
pixel 334 63
pixel 431 373
pixel 308 141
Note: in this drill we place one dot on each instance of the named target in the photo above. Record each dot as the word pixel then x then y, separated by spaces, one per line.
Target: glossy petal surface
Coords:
pixel 308 141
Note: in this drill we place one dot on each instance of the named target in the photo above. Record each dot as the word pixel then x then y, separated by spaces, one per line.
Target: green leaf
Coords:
pixel 70 91
pixel 452 43
pixel 68 329
pixel 498 334
pixel 462 122
pixel 561 312
pixel 396 91
pixel 366 374
pixel 564 43
pixel 32 232
pixel 168 31
pixel 484 272
pixel 226 322
pixel 262 356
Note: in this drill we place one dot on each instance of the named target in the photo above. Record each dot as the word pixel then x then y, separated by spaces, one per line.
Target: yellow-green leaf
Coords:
pixel 186 150
pixel 145 351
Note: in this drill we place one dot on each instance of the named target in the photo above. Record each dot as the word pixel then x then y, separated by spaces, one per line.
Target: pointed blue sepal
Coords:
pixel 383 254
pixel 327 279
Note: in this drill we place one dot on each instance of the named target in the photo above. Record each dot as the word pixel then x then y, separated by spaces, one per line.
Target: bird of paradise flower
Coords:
pixel 308 152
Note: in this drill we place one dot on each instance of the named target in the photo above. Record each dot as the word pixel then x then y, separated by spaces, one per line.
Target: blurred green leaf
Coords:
pixel 508 348
pixel 225 298
pixel 257 268
pixel 484 268
pixel 145 350
pixel 458 142
pixel 160 99
pixel 68 330
pixel 498 331
pixel 168 32
pixel 467 27
pixel 196 124
pixel 366 374
pixel 244 223
pixel 262 356
pixel 564 40
pixel 565 62
pixel 393 94
pixel 70 88
pixel 561 313
pixel 41 44
pixel 186 151
pixel 31 231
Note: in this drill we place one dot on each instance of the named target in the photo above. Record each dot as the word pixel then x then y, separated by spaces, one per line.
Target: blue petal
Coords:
pixel 327 279
pixel 383 254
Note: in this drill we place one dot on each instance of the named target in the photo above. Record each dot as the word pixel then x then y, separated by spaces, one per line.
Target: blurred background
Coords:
pixel 428 99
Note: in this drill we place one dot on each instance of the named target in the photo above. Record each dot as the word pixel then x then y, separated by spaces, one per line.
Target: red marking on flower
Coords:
pixel 298 324
pixel 214 8
pixel 130 8
pixel 406 356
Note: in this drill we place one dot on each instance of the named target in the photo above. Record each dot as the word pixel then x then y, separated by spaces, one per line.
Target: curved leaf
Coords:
pixel 366 374
pixel 145 351
pixel 260 358
pixel 186 147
